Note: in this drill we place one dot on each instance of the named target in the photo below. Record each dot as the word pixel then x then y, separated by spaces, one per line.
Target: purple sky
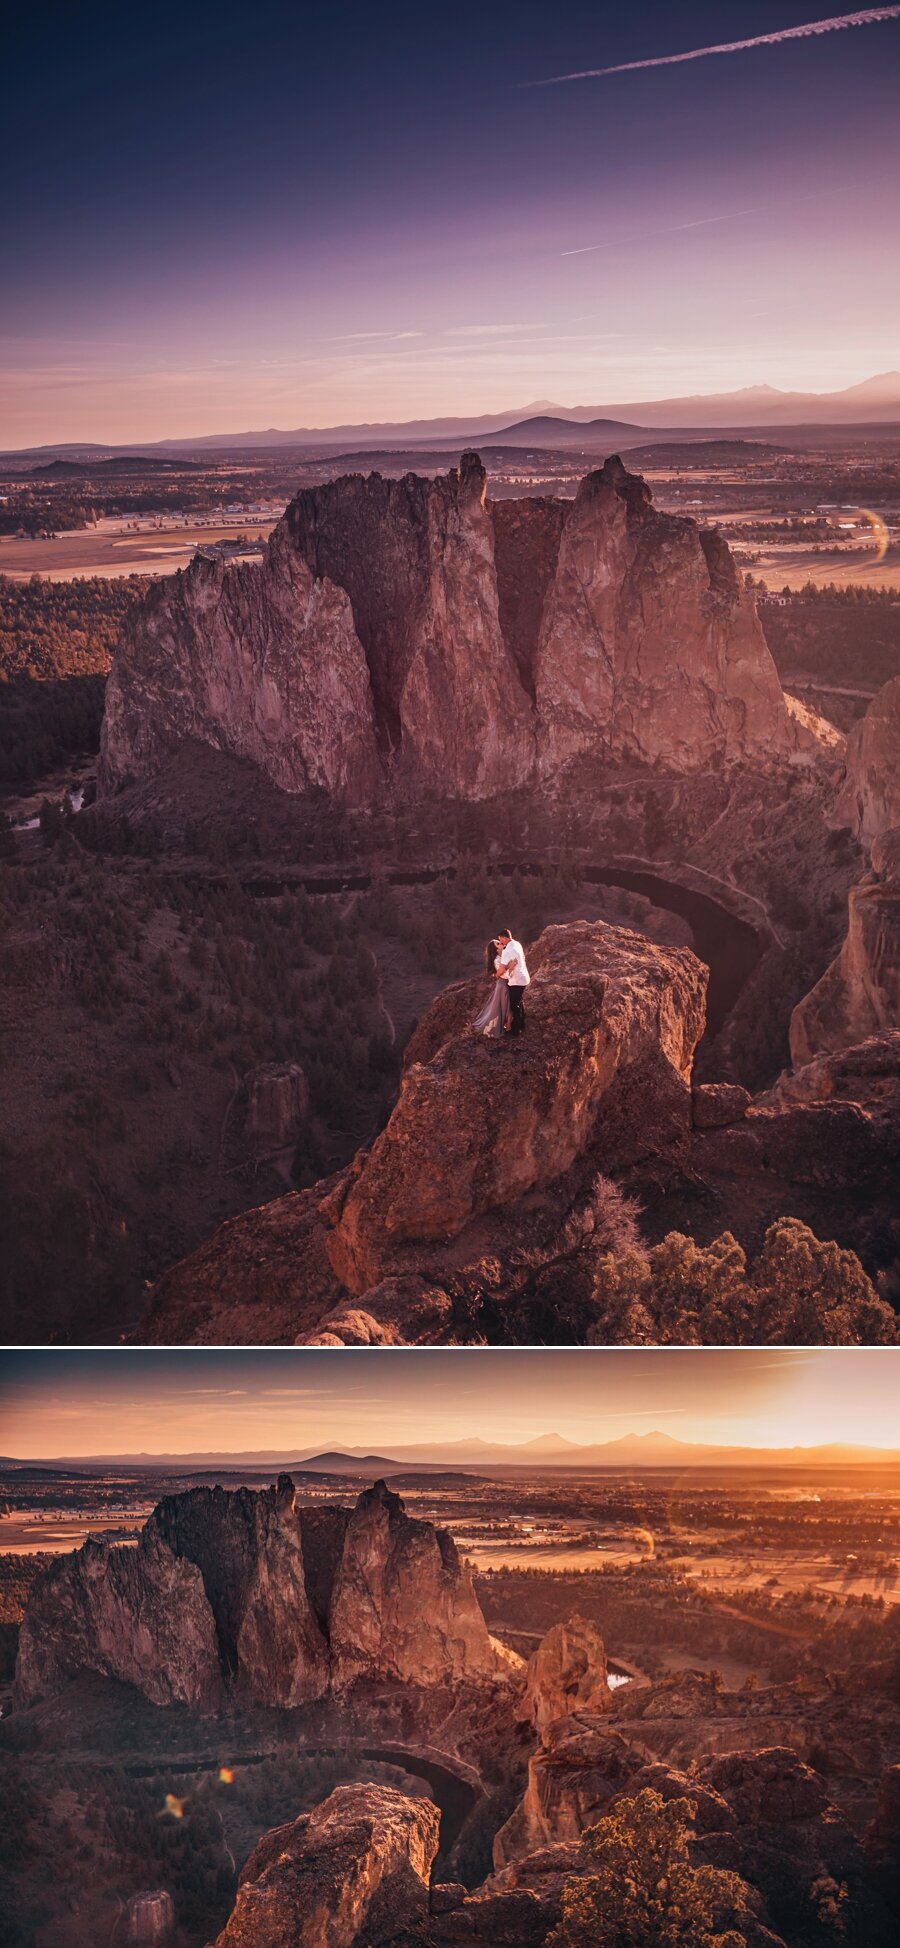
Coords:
pixel 219 218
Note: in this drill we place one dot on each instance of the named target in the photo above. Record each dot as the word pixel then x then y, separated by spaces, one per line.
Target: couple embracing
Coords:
pixel 504 1011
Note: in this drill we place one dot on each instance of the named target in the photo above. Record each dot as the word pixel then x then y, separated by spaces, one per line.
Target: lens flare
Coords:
pixel 174 1806
pixel 226 1776
pixel 880 532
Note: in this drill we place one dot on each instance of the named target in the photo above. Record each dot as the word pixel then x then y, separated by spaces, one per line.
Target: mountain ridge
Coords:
pixel 753 406
pixel 495 1454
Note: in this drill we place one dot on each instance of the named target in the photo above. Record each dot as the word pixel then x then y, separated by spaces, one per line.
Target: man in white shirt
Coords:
pixel 512 958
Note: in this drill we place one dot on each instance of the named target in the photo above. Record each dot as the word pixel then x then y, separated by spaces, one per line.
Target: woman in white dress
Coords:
pixel 491 1020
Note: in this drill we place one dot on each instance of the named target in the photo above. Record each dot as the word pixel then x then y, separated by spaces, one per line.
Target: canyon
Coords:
pixel 419 1781
pixel 418 698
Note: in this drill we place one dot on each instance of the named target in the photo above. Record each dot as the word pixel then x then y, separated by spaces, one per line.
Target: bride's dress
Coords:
pixel 493 1017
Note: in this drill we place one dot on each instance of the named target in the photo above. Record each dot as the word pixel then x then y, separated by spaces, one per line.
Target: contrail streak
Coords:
pixel 726 216
pixel 699 223
pixel 864 17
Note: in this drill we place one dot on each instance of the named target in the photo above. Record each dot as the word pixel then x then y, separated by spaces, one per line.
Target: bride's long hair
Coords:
pixel 490 955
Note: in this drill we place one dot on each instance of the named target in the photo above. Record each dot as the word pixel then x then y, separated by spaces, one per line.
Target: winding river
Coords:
pixel 730 946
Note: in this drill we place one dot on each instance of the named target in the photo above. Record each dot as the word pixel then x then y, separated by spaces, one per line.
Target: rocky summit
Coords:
pixel 244 1596
pixel 408 635
pixel 487 1148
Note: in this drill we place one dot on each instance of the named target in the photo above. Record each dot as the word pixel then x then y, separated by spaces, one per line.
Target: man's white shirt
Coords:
pixel 513 959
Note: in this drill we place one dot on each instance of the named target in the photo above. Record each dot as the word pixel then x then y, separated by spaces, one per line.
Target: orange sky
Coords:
pixel 126 1402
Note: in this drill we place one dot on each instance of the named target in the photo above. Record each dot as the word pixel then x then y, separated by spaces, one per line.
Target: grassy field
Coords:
pixel 113 550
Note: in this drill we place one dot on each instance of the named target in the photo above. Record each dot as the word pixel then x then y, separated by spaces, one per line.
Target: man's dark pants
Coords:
pixel 516 1010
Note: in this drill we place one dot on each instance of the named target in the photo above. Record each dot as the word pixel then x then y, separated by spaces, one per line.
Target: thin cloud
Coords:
pixel 726 216
pixel 864 17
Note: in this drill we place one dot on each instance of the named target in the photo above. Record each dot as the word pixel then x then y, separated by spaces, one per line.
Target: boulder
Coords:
pixel 354 1870
pixel 718 1104
pixel 406 1311
pixel 566 1674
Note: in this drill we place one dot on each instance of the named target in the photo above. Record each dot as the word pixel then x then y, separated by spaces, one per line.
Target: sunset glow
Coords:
pixel 346 215
pixel 56 1404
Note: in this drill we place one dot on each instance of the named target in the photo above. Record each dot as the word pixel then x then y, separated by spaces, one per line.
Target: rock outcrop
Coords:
pixel 416 558
pixel 870 799
pixel 579 1766
pixel 760 1811
pixel 248 1547
pixel 277 1099
pixel 859 994
pixel 241 1596
pixel 603 1070
pixel 140 1615
pixel 406 635
pixel 147 1921
pixel 649 647
pixel 263 662
pixel 488 1150
pixel 567 1673
pixel 403 1604
pixel 354 1870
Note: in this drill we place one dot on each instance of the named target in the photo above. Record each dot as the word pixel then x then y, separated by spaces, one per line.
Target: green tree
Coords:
pixel 639 1888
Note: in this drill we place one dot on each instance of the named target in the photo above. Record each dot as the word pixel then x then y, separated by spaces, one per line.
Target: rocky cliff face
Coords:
pixel 488 1206
pixel 140 1615
pixel 870 799
pixel 567 1673
pixel 242 1596
pixel 760 1810
pixel 859 994
pixel 648 647
pixel 262 662
pixel 487 1150
pixel 416 558
pixel 356 1869
pixel 403 1604
pixel 248 1547
pixel 845 1034
pixel 406 634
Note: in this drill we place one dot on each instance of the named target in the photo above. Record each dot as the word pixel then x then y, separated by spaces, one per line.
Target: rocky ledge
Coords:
pixel 488 1151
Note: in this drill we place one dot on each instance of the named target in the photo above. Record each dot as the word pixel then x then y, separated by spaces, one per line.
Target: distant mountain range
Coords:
pixel 544 422
pixel 545 1451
